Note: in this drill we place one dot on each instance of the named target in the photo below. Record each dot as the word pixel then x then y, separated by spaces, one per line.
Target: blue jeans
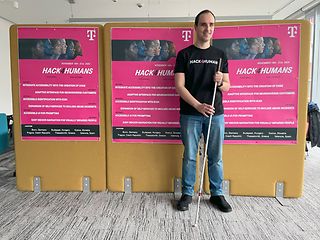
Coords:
pixel 191 129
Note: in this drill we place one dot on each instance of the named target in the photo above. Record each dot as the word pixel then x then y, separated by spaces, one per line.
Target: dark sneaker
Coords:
pixel 221 203
pixel 183 203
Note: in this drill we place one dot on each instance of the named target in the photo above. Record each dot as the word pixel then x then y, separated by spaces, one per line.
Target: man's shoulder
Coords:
pixel 216 50
pixel 187 49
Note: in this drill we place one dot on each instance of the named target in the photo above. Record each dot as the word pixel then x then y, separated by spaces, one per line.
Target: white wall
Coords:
pixel 316 60
pixel 293 6
pixel 5 74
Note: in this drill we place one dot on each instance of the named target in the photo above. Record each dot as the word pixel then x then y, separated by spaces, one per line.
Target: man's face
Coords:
pixel 157 47
pixel 261 44
pixel 57 48
pixel 244 47
pixel 276 46
pixel 269 48
pixel 78 49
pixel 254 47
pixel 235 47
pixel 152 49
pixel 205 27
pixel 48 47
pixel 38 52
pixel 63 46
pixel 70 49
pixel 165 50
pixel 133 49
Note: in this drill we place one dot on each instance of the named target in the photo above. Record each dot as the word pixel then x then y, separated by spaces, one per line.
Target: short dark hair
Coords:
pixel 196 21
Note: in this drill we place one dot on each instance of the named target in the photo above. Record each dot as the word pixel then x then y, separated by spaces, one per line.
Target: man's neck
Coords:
pixel 202 45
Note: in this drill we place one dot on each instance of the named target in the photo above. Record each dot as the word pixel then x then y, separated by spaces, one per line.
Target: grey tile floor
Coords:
pixel 107 215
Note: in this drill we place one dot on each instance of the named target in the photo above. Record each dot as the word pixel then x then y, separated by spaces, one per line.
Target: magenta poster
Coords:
pixel 145 105
pixel 261 106
pixel 59 83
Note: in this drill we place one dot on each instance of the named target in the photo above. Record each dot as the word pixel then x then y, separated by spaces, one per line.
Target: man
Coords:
pixel 152 49
pixel 37 50
pixel 58 48
pixel 131 52
pixel 195 77
pixel 232 49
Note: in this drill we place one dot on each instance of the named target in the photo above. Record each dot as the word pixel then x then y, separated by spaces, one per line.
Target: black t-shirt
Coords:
pixel 199 67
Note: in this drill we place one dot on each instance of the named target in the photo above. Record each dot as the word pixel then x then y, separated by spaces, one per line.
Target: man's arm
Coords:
pixel 223 81
pixel 203 108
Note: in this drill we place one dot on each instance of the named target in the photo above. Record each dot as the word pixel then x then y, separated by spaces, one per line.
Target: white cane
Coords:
pixel 205 151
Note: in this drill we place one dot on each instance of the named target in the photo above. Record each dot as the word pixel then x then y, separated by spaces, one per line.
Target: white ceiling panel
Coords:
pixel 61 11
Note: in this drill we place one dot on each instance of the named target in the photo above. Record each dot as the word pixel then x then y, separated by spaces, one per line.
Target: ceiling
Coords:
pixel 99 11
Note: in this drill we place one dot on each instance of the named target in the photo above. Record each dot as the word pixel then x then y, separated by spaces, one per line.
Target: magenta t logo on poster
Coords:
pixel 186 35
pixel 91 34
pixel 292 31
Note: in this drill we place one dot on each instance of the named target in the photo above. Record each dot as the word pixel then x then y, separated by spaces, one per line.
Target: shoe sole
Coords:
pixel 225 210
pixel 221 209
pixel 183 209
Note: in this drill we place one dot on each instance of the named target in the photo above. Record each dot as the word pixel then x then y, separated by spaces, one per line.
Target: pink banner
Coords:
pixel 145 105
pixel 59 83
pixel 261 106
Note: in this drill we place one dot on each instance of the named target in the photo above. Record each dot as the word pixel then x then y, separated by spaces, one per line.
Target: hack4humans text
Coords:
pixel 53 70
pixel 264 70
